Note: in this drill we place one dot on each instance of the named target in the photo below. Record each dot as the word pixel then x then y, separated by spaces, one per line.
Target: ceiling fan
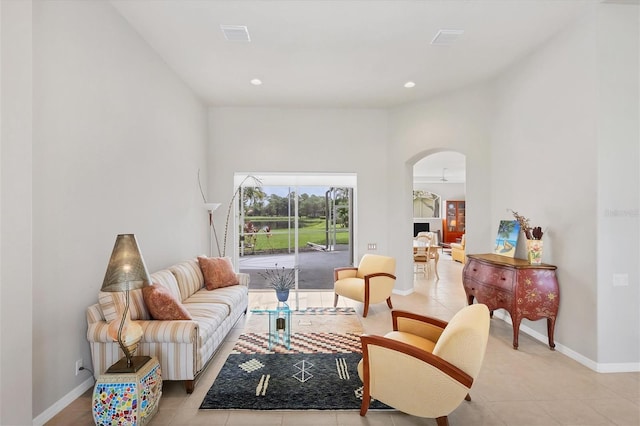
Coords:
pixel 443 179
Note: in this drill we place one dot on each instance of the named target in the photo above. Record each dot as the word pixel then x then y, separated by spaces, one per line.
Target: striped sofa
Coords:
pixel 183 348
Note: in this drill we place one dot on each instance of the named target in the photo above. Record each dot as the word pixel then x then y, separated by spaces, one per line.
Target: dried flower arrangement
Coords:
pixel 280 279
pixel 532 233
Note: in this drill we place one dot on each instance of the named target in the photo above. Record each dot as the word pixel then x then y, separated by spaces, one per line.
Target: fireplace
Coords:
pixel 420 227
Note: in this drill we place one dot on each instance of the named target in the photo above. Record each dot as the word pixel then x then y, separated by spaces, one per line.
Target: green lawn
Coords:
pixel 280 238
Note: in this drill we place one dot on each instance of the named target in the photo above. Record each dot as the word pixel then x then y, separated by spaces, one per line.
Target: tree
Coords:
pixel 253 199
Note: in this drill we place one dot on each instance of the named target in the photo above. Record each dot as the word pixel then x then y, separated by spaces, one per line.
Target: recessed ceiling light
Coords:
pixel 409 84
pixel 256 82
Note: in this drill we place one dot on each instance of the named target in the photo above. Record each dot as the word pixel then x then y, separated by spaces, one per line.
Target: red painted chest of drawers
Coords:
pixel 524 290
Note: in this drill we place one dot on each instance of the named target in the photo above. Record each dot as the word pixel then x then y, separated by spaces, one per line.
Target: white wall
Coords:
pixel 618 183
pixel 118 141
pixel 459 121
pixel 566 131
pixel 16 278
pixel 359 141
pixel 545 161
pixel 304 140
pixel 554 137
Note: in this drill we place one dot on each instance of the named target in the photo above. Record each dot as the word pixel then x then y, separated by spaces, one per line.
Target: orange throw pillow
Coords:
pixel 218 272
pixel 162 305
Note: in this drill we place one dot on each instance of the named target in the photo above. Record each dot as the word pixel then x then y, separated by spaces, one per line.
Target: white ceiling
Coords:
pixel 343 53
pixel 450 165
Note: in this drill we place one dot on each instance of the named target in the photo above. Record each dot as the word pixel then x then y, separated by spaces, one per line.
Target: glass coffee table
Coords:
pixel 279 324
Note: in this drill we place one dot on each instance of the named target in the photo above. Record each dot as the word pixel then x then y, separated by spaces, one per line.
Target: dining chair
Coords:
pixel 425 251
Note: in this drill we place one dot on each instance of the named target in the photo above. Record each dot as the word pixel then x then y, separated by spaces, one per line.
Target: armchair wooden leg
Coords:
pixel 366 309
pixel 335 300
pixel 389 302
pixel 189 385
pixel 467 398
pixel 366 399
pixel 442 421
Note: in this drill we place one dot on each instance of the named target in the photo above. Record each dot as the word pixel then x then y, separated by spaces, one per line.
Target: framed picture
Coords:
pixel 507 239
pixel 425 204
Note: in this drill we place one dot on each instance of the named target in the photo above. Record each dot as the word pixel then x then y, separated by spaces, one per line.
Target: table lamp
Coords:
pixel 126 271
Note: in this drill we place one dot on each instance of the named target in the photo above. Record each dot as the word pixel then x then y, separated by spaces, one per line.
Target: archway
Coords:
pixel 440 178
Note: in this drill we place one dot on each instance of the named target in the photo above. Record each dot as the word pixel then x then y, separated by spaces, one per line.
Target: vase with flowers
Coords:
pixel 534 238
pixel 281 280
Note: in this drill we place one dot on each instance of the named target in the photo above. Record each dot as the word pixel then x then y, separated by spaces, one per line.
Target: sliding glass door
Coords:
pixel 304 227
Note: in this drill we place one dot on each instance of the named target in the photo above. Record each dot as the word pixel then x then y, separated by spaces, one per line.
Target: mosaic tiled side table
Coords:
pixel 129 399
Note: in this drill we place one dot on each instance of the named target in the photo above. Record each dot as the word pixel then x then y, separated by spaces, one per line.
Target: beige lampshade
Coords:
pixel 126 269
pixel 211 206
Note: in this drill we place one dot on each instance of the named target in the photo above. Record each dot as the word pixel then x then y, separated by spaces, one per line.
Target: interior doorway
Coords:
pixel 439 181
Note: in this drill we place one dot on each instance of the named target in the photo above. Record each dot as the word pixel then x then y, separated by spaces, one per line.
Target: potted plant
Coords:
pixel 281 280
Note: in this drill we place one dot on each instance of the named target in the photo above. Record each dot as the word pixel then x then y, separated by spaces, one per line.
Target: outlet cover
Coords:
pixel 620 280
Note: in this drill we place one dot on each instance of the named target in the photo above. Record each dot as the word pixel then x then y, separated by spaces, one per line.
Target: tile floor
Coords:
pixel 530 386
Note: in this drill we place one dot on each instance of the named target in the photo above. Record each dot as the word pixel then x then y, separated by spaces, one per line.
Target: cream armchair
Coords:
pixel 457 250
pixel 371 282
pixel 425 367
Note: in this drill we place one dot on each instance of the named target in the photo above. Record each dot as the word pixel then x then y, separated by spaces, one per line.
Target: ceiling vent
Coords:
pixel 236 33
pixel 446 37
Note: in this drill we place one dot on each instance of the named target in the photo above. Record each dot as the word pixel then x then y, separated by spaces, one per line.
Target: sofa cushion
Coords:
pixel 113 303
pixel 188 276
pixel 163 305
pixel 233 296
pixel 209 316
pixel 166 279
pixel 213 326
pixel 218 272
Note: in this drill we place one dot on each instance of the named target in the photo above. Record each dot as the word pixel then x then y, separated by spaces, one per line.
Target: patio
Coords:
pixel 315 267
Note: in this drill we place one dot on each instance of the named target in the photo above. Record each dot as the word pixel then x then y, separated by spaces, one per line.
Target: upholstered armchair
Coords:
pixel 371 282
pixel 425 367
pixel 457 250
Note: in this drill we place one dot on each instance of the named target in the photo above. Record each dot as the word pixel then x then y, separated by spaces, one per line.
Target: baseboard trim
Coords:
pixel 629 367
pixel 402 292
pixel 63 402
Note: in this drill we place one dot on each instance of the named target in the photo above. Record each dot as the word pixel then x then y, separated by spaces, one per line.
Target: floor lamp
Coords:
pixel 211 207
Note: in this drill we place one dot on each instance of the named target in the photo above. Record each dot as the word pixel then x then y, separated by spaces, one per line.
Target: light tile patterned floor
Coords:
pixel 530 386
